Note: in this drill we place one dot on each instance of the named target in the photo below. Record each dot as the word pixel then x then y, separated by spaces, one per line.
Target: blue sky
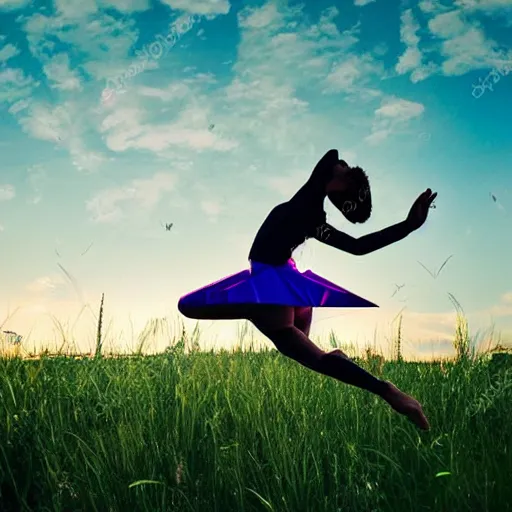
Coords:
pixel 213 131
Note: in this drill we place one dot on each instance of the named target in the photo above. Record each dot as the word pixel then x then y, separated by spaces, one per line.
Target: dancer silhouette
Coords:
pixel 279 299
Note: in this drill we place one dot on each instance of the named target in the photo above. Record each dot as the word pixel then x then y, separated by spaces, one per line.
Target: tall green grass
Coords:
pixel 249 431
pixel 245 431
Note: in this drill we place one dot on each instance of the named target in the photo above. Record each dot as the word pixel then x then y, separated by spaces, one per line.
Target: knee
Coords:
pixel 284 333
pixel 283 339
pixel 290 343
pixel 281 335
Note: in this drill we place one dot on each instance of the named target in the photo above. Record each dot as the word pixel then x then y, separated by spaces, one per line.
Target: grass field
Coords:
pixel 250 431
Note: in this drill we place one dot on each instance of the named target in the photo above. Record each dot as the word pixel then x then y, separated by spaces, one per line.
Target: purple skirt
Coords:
pixel 281 285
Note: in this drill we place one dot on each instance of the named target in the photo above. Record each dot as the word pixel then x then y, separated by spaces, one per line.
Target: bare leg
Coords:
pixel 217 312
pixel 293 343
pixel 278 324
pixel 303 319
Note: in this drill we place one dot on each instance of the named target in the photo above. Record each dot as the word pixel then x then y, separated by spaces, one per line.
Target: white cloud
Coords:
pixel 8 52
pixel 258 18
pixel 412 57
pixel 203 7
pixel 411 61
pixel 127 6
pixel 282 52
pixel 64 125
pixel 350 74
pixel 18 106
pixel 464 45
pixel 265 111
pixel 503 308
pixel 400 109
pixel 2 229
pixel 431 6
pixel 45 284
pixel 484 5
pixel 75 8
pixel 46 122
pixel 378 136
pixel 102 41
pixel 107 205
pixel 57 70
pixel 467 52
pixel 81 8
pixel 14 85
pixel 212 208
pixel 360 3
pixel 235 111
pixel 455 34
pixel 13 4
pixel 7 192
pixel 85 160
pixel 393 115
pixel 279 45
pixel 127 128
pixel 449 24
pixel 507 298
pixel 174 92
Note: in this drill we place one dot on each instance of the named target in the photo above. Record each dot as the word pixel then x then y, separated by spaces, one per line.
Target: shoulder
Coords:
pixel 323 169
pixel 330 159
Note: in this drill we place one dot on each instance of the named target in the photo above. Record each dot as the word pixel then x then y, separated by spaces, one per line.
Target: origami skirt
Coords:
pixel 281 285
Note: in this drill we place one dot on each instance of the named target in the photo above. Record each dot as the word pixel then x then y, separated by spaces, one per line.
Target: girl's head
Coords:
pixel 349 191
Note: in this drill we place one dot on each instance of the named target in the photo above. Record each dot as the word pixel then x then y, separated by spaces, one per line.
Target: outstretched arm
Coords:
pixel 364 245
pixel 374 241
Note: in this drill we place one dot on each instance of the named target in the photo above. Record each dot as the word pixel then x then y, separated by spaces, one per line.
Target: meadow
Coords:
pixel 248 431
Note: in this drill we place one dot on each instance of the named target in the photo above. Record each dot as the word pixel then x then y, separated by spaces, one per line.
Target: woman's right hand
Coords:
pixel 419 211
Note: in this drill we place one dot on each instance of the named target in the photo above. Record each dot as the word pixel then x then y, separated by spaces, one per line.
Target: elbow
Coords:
pixel 358 250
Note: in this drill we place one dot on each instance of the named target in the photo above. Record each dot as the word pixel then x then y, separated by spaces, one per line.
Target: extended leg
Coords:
pixel 278 325
pixel 293 343
pixel 217 312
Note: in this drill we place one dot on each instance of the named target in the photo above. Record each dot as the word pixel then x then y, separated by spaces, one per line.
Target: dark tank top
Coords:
pixel 289 224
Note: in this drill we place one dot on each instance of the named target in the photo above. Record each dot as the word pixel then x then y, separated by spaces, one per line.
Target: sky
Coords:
pixel 108 134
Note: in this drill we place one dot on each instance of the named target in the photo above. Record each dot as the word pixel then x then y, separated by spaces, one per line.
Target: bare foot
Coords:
pixel 406 405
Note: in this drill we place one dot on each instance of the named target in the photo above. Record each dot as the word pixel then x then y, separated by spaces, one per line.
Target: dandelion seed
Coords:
pixel 398 288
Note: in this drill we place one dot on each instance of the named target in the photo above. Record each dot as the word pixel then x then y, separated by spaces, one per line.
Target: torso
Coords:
pixel 289 224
